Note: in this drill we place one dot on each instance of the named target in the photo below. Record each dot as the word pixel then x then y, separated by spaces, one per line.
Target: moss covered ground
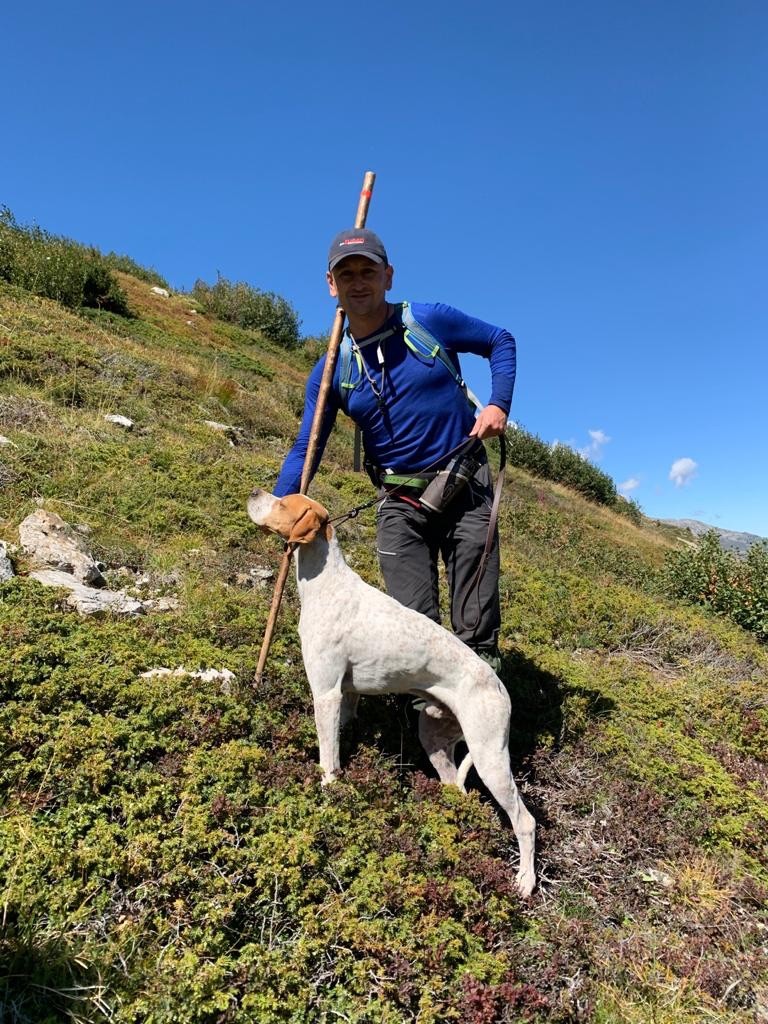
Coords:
pixel 166 851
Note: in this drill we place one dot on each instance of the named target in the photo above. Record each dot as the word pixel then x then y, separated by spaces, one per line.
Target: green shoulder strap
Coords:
pixel 425 345
pixel 419 340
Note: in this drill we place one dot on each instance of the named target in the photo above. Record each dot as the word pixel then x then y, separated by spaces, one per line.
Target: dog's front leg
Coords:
pixel 328 724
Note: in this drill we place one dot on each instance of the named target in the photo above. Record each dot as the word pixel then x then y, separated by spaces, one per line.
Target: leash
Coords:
pixel 474 586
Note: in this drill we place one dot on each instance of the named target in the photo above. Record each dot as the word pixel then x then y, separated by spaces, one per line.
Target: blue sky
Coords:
pixel 592 176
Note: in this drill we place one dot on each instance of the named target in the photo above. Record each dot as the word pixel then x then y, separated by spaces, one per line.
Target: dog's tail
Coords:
pixel 463 771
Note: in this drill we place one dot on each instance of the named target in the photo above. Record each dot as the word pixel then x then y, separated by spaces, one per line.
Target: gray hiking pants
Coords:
pixel 410 540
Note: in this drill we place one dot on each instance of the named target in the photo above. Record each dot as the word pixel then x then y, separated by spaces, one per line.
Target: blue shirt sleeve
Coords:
pixel 461 333
pixel 289 480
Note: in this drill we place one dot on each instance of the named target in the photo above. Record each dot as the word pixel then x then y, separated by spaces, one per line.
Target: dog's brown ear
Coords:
pixel 307 527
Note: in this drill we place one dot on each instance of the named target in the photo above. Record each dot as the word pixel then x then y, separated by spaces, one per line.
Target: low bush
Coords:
pixel 248 307
pixel 565 466
pixel 57 268
pixel 117 261
pixel 729 585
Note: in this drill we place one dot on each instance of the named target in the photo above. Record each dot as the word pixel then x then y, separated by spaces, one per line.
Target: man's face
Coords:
pixel 360 285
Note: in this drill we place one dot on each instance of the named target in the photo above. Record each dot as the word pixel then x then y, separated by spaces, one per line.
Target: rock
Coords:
pixel 233 434
pixel 162 604
pixel 657 877
pixel 6 440
pixel 88 600
pixel 53 544
pixel 6 569
pixel 120 421
pixel 223 676
pixel 161 291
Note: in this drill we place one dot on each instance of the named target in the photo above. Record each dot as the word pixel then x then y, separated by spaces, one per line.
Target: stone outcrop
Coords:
pixel 89 600
pixel 6 569
pixel 51 543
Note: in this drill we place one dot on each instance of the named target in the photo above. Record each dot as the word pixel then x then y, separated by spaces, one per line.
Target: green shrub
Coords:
pixel 116 261
pixel 248 307
pixel 565 466
pixel 628 507
pixel 573 470
pixel 57 268
pixel 729 585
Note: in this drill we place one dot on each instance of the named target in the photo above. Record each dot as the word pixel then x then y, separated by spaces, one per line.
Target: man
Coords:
pixel 414 414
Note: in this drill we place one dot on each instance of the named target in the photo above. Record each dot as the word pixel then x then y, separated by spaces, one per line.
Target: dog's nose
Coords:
pixel 259 505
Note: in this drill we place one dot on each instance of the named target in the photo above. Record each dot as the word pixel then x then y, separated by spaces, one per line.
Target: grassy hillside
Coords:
pixel 166 852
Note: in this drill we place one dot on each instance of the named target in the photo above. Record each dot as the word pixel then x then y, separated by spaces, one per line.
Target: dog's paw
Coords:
pixel 526 883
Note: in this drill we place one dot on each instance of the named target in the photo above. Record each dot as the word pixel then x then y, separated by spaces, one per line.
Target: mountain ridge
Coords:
pixel 730 540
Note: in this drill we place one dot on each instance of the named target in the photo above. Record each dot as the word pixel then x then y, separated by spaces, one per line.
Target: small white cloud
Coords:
pixel 595 447
pixel 683 471
pixel 629 485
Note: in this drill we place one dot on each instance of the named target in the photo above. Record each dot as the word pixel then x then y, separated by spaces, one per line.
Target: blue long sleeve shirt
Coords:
pixel 422 413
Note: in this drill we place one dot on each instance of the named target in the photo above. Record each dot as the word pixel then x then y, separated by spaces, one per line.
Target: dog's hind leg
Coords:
pixel 439 733
pixel 490 754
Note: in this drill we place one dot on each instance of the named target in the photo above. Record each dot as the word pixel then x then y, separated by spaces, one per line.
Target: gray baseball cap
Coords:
pixel 356 242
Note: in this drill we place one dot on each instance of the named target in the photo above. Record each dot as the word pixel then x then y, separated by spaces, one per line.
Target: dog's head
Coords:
pixel 296 518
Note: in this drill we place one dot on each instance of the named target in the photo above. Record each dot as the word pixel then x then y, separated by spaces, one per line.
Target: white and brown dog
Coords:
pixel 356 640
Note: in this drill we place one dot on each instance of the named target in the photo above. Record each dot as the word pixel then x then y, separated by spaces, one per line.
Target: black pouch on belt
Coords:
pixel 454 477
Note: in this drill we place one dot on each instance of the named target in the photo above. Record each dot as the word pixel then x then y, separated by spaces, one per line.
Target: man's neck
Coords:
pixel 361 327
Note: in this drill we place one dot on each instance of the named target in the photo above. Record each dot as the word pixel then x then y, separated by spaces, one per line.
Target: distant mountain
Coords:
pixel 730 540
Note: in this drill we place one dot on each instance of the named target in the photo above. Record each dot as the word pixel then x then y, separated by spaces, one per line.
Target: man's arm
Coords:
pixel 289 479
pixel 461 333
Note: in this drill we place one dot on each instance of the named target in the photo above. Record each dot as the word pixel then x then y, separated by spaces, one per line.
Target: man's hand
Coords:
pixel 491 422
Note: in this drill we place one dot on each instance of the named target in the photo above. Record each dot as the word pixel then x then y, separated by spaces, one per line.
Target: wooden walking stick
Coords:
pixel 314 436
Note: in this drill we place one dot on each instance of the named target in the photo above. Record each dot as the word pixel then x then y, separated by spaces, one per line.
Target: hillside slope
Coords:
pixel 166 851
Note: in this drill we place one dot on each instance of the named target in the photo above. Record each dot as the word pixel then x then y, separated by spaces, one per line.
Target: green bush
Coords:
pixel 57 268
pixel 628 507
pixel 117 261
pixel 729 585
pixel 248 307
pixel 573 470
pixel 565 466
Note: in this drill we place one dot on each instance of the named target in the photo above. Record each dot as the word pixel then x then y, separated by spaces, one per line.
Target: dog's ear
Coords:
pixel 307 527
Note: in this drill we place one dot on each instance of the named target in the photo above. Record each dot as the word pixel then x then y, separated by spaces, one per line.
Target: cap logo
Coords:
pixel 352 241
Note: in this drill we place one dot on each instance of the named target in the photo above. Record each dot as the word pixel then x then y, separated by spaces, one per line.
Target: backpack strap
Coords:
pixel 350 370
pixel 421 342
pixel 425 345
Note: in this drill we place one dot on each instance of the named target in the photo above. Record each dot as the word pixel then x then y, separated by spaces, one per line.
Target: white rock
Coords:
pixel 162 604
pixel 7 440
pixel 120 421
pixel 223 676
pixel 232 434
pixel 161 291
pixel 657 877
pixel 53 544
pixel 6 569
pixel 88 600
